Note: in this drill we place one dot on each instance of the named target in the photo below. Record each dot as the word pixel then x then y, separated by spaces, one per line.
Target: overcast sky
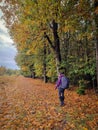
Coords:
pixel 7 49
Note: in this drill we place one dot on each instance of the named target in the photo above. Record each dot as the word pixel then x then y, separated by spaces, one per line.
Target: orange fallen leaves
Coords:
pixel 31 104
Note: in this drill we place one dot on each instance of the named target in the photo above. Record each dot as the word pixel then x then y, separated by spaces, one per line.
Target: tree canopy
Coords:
pixel 55 34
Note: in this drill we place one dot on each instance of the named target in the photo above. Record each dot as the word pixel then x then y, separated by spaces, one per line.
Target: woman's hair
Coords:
pixel 61 71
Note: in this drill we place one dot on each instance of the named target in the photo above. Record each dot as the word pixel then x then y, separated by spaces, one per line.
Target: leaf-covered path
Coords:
pixel 29 104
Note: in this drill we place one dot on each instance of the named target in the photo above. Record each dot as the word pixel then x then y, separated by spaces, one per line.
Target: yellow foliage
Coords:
pixel 68 28
pixel 84 128
pixel 24 68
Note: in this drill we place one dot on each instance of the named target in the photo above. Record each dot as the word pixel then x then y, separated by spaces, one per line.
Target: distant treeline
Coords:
pixel 5 71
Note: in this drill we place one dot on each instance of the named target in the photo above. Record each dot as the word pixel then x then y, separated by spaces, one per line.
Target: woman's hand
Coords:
pixel 55 87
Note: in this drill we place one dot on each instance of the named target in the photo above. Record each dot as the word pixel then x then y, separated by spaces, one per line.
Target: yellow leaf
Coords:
pixel 84 128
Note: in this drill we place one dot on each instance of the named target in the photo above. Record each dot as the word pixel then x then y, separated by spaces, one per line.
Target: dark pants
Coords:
pixel 61 95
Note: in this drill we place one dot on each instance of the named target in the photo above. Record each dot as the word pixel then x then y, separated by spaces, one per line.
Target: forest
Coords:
pixel 50 35
pixel 54 34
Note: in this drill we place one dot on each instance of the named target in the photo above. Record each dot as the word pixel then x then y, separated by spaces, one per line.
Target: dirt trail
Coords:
pixel 30 104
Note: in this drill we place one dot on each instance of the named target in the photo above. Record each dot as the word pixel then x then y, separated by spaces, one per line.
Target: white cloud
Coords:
pixel 4 35
pixel 7 50
pixel 7 56
pixel 6 40
pixel 2 26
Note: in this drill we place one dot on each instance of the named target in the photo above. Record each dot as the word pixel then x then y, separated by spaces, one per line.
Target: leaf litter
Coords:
pixel 30 104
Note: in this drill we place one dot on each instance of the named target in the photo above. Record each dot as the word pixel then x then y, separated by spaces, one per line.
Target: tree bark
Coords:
pixel 96 22
pixel 32 71
pixel 44 65
pixel 56 44
pixel 56 41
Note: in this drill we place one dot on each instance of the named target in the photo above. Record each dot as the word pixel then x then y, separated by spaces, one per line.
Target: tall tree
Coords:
pixel 96 22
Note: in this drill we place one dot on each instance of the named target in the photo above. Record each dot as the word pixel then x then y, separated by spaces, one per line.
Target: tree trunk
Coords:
pixel 33 75
pixel 96 22
pixel 97 59
pixel 56 45
pixel 32 71
pixel 44 64
pixel 56 41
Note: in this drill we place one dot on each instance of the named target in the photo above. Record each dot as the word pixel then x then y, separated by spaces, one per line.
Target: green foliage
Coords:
pixel 82 87
pixel 79 70
pixel 38 69
pixel 5 71
pixel 82 83
pixel 51 68
pixel 81 91
pixel 2 70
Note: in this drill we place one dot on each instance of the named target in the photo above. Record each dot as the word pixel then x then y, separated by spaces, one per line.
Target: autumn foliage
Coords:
pixel 50 34
pixel 30 104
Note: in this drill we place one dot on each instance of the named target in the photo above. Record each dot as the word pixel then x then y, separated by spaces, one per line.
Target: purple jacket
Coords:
pixel 58 83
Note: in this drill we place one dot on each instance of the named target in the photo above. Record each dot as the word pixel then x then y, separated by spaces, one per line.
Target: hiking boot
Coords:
pixel 62 104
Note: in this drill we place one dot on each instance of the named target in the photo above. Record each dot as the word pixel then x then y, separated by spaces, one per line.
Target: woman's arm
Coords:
pixel 58 83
